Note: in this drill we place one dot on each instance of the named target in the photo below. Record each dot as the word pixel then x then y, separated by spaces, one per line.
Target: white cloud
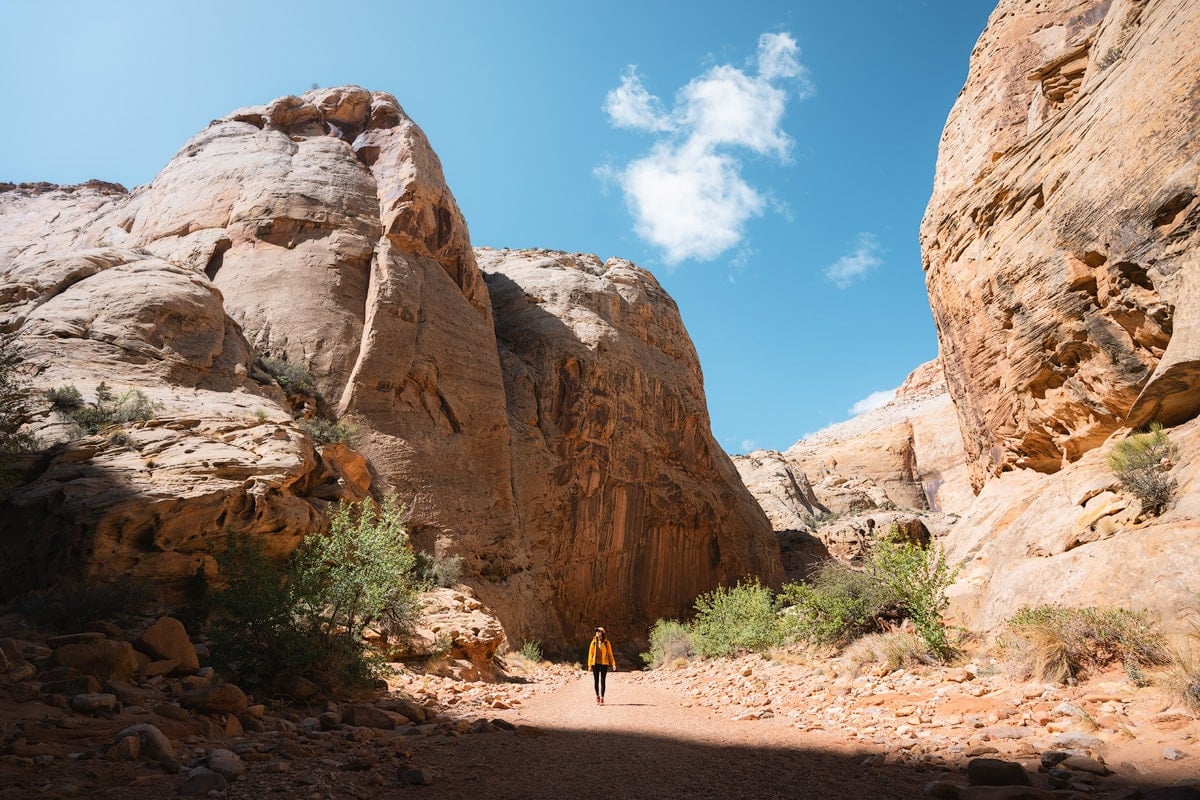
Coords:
pixel 855 266
pixel 749 445
pixel 687 195
pixel 631 106
pixel 872 401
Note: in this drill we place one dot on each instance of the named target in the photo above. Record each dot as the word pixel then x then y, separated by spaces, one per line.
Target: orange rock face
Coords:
pixel 1060 239
pixel 617 478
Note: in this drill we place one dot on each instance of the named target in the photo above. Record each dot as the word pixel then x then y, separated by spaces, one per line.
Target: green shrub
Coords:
pixel 439 571
pixel 362 572
pixel 109 409
pixel 729 620
pixel 15 409
pixel 1141 463
pixel 916 579
pixel 292 378
pixel 64 398
pixel 835 606
pixel 839 604
pixel 670 640
pixel 532 651
pixel 1058 644
pixel 307 616
pixel 327 431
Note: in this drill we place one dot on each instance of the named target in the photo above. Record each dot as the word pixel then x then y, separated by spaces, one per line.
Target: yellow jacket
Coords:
pixel 602 655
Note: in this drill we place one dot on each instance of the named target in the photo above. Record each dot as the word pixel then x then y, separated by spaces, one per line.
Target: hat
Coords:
pixel 601 630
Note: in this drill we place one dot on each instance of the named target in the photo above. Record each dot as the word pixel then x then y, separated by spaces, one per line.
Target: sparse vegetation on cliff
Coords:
pixel 108 409
pixel 1142 464
pixel 293 378
pixel 325 431
pixel 15 407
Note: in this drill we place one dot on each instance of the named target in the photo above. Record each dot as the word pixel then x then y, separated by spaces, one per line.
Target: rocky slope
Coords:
pixel 570 463
pixel 1060 241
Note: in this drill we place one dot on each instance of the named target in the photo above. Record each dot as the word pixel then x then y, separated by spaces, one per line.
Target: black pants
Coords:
pixel 599 673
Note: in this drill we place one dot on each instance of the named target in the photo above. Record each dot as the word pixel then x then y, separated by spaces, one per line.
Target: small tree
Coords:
pixel 308 615
pixel 15 407
pixel 917 578
pixel 730 620
pixel 1142 464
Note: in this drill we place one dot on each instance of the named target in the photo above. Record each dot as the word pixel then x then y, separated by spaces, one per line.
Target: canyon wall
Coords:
pixel 1060 241
pixel 1060 247
pixel 561 446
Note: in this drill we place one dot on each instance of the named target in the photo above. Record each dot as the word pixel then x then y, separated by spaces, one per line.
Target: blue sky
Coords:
pixel 769 162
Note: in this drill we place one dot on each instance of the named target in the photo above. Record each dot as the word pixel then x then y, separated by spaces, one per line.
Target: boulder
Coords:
pixel 103 659
pixel 167 640
pixel 224 698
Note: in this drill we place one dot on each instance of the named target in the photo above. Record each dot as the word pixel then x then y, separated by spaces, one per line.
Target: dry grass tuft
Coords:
pixel 895 649
pixel 1059 645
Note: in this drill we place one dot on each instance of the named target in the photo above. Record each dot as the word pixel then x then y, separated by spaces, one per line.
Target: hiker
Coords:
pixel 600 661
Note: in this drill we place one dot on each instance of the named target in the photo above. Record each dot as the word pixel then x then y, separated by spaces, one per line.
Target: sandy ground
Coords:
pixel 744 728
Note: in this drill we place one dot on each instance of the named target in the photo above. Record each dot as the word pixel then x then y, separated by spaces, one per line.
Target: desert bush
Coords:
pixel 893 650
pixel 64 398
pixel 293 378
pixel 16 408
pixel 835 606
pixel 1142 464
pixel 670 640
pixel 109 409
pixel 307 616
pixel 1058 644
pixel 1181 678
pixel 729 620
pixel 532 651
pixel 327 431
pixel 915 578
pixel 439 570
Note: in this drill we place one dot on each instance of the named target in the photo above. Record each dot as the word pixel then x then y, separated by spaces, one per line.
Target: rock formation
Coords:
pixel 570 464
pixel 1060 241
pixel 899 465
pixel 1060 248
pixel 617 477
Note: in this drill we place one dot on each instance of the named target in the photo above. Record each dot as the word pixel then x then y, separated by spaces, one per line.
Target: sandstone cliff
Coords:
pixel 1060 251
pixel 901 464
pixel 570 463
pixel 618 480
pixel 1060 241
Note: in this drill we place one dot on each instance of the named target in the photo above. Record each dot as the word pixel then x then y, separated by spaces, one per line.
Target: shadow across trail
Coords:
pixel 550 763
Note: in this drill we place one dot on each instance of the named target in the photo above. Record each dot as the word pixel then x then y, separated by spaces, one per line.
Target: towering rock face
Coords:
pixel 326 222
pixel 570 465
pixel 618 480
pixel 1060 242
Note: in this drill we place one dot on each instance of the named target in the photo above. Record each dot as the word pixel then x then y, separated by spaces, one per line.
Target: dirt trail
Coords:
pixel 645 742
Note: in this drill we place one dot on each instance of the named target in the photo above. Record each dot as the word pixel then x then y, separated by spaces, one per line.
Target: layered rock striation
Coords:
pixel 561 446
pixel 617 478
pixel 1060 241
